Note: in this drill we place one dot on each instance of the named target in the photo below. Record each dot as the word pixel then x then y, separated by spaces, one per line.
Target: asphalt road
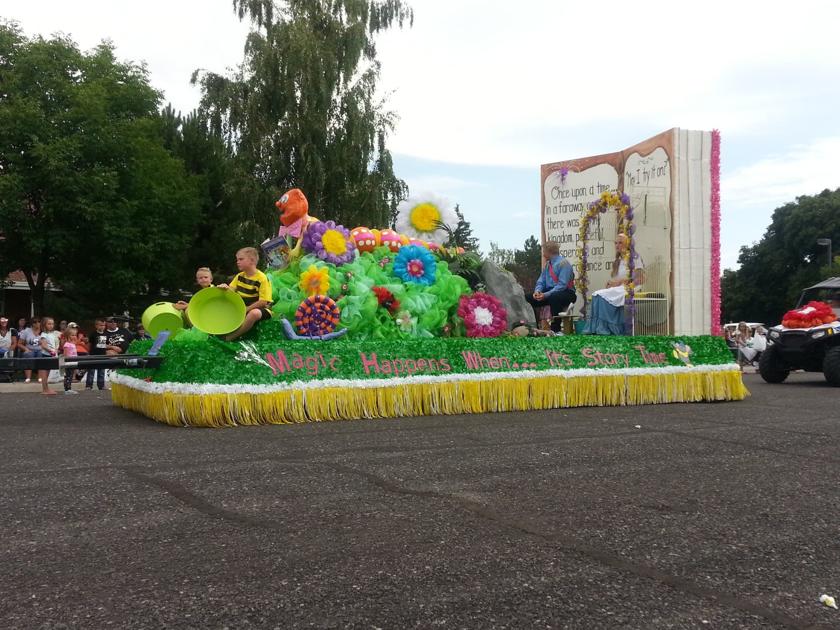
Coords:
pixel 675 516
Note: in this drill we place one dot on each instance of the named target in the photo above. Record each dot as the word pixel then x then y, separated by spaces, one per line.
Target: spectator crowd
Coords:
pixel 41 337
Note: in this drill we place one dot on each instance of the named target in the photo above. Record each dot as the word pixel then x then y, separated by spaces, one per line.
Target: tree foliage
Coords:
pixel 500 256
pixel 88 195
pixel 462 235
pixel 525 264
pixel 207 159
pixel 774 271
pixel 301 111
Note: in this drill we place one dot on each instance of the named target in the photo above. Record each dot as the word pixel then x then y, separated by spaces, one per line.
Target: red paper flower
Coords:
pixel 810 315
pixel 386 299
pixel 483 315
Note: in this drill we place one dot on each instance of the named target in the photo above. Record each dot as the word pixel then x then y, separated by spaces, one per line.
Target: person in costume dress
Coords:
pixel 606 310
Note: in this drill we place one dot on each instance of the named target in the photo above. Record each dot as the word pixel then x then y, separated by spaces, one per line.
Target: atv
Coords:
pixel 815 349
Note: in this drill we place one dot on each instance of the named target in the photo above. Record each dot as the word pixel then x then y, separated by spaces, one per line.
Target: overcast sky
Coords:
pixel 486 91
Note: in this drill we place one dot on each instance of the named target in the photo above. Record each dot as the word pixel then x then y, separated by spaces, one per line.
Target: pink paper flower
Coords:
pixel 483 315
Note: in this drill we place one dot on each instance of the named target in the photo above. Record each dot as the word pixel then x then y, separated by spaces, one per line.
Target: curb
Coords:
pixel 35 388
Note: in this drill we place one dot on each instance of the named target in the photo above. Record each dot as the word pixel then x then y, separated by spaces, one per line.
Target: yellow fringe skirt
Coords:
pixel 232 405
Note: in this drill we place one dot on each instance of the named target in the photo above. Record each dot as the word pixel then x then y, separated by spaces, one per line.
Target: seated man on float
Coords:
pixel 555 287
pixel 606 310
pixel 254 287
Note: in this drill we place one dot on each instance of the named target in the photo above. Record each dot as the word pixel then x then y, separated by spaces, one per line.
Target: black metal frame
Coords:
pixel 83 363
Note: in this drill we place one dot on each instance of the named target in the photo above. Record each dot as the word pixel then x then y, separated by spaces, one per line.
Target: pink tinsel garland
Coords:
pixel 715 270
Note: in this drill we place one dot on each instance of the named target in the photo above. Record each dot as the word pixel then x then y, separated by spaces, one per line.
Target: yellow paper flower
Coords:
pixel 421 217
pixel 315 281
pixel 424 217
pixel 334 242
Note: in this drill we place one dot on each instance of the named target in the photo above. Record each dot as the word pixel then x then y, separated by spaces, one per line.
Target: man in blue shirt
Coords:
pixel 556 285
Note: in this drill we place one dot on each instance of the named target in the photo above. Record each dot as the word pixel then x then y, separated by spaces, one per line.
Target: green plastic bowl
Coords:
pixel 216 311
pixel 162 316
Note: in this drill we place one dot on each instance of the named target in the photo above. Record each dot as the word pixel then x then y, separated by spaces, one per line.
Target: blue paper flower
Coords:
pixel 415 264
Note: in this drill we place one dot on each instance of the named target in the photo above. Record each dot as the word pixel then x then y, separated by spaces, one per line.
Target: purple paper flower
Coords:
pixel 329 242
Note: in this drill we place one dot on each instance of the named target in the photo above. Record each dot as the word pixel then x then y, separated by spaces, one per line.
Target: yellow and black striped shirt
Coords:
pixel 251 288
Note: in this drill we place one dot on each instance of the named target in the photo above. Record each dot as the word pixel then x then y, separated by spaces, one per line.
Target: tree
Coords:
pixel 208 160
pixel 89 196
pixel 301 111
pixel 774 271
pixel 500 256
pixel 531 255
pixel 462 235
pixel 527 264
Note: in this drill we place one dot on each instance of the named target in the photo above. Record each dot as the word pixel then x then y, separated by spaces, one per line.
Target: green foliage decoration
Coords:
pixel 431 308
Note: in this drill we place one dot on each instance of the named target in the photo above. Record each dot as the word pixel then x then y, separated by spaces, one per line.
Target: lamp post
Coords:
pixel 826 242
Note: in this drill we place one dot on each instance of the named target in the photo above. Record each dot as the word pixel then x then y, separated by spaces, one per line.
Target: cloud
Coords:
pixel 443 184
pixel 490 95
pixel 749 194
pixel 543 81
pixel 173 39
pixel 777 179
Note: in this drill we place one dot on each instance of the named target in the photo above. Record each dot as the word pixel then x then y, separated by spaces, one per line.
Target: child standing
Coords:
pixel 50 339
pixel 98 346
pixel 29 343
pixel 70 350
pixel 8 338
pixel 254 287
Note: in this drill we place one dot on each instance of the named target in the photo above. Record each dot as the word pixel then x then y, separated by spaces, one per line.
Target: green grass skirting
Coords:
pixel 269 361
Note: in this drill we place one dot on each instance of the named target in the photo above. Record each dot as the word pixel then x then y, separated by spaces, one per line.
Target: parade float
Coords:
pixel 379 323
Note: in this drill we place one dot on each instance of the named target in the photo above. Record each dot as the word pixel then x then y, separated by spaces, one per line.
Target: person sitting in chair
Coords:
pixel 750 344
pixel 555 287
pixel 606 310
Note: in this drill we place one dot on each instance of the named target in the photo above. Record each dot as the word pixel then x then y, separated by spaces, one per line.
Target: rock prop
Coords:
pixel 504 286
